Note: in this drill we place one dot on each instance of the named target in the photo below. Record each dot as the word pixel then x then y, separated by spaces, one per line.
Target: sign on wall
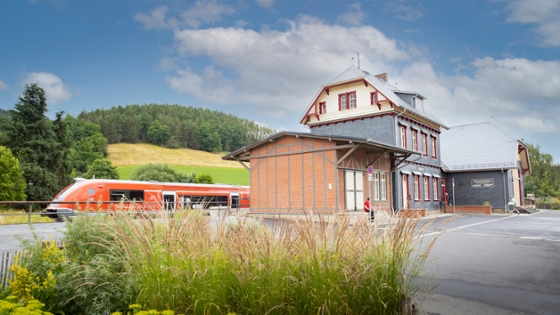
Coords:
pixel 482 183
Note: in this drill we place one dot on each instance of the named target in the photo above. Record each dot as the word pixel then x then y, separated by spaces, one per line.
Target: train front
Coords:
pixel 69 200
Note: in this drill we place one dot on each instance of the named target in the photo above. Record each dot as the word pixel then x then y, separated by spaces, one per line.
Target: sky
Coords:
pixel 265 60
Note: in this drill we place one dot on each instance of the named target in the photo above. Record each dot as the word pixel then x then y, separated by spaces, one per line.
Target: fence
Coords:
pixel 7 260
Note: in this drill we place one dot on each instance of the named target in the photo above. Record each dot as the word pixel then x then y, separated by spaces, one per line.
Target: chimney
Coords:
pixel 383 76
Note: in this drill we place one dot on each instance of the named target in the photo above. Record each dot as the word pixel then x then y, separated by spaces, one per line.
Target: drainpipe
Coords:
pixel 505 195
pixel 394 178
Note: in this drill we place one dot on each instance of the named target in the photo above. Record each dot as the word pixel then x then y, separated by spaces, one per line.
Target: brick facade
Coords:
pixel 305 174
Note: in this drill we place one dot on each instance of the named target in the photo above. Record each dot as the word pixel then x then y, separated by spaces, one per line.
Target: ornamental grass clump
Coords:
pixel 193 266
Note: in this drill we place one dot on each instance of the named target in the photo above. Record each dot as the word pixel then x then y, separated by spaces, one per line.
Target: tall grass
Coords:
pixel 188 265
pixel 21 217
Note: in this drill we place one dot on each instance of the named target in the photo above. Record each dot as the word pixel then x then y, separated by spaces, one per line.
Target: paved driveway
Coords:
pixel 497 265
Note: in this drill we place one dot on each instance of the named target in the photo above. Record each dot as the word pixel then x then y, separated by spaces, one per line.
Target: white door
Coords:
pixel 405 191
pixel 354 185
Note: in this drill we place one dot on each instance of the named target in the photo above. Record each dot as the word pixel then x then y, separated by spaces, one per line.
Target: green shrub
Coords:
pixel 34 272
pixel 11 305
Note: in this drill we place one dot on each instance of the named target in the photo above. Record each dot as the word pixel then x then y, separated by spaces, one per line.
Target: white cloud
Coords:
pixel 274 69
pixel 522 95
pixel 3 86
pixel 404 12
pixel 354 16
pixel 267 4
pixel 55 90
pixel 544 14
pixel 205 12
pixel 202 12
pixel 156 19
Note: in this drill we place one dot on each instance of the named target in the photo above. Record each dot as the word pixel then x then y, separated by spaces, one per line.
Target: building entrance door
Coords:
pixel 354 187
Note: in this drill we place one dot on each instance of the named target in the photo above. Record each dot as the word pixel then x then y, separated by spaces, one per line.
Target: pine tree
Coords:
pixel 40 145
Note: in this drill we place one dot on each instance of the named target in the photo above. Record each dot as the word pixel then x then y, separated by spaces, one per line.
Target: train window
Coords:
pixel 137 195
pixel 91 191
pixel 118 195
pixel 208 201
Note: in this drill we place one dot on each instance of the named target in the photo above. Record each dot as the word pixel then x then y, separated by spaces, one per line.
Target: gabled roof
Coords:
pixel 481 146
pixel 244 154
pixel 353 74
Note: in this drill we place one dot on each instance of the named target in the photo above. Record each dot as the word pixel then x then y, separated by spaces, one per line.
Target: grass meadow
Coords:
pixel 128 157
pixel 221 175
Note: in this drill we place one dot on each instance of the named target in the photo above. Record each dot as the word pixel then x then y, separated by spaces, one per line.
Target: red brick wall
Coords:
pixel 469 209
pixel 300 182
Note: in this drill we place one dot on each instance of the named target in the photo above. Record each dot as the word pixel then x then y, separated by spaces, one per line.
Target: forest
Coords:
pixel 176 126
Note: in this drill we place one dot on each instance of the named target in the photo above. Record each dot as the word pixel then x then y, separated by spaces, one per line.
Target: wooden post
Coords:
pixel 29 214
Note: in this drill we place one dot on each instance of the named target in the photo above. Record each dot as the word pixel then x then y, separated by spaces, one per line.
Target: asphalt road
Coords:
pixel 496 265
pixel 483 264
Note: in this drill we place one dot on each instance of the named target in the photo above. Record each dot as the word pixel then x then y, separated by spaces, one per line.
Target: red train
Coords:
pixel 110 195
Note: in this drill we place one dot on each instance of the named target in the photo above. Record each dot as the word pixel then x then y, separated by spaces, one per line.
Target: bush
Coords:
pixel 11 305
pixel 34 272
pixel 161 173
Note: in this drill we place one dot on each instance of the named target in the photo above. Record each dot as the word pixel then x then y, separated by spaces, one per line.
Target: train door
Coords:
pixel 234 201
pixel 168 200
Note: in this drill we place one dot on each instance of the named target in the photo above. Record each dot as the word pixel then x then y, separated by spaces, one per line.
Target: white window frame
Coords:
pixel 435 183
pixel 383 185
pixel 375 186
pixel 417 188
pixel 426 188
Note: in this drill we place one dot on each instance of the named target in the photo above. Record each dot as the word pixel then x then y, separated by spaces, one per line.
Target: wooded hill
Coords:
pixel 176 126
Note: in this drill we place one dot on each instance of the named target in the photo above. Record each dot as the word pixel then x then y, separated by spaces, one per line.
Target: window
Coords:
pixel 436 188
pixel 119 195
pixel 426 188
pixel 352 97
pixel 414 140
pixel 425 143
pixel 416 187
pixel 322 107
pixel 403 137
pixel 375 185
pixel 342 100
pixel 373 98
pixel 383 185
pixel 434 147
pixel 347 101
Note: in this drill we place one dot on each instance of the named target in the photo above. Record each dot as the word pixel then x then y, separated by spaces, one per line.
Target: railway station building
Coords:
pixel 368 139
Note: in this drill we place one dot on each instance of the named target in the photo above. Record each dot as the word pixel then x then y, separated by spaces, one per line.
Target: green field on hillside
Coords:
pixel 128 157
pixel 221 175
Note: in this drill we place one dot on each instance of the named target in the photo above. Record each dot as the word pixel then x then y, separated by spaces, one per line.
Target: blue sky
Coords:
pixel 475 61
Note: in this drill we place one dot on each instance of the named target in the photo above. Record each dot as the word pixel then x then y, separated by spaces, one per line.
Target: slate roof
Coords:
pixel 481 146
pixel 387 89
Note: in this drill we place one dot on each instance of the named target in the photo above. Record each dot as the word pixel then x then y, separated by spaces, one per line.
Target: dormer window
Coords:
pixel 373 98
pixel 347 100
pixel 323 108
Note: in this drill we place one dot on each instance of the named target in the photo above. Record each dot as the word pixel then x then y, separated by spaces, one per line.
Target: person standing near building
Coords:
pixel 367 208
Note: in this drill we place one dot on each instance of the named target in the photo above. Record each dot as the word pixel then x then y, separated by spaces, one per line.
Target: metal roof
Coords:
pixel 481 146
pixel 243 154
